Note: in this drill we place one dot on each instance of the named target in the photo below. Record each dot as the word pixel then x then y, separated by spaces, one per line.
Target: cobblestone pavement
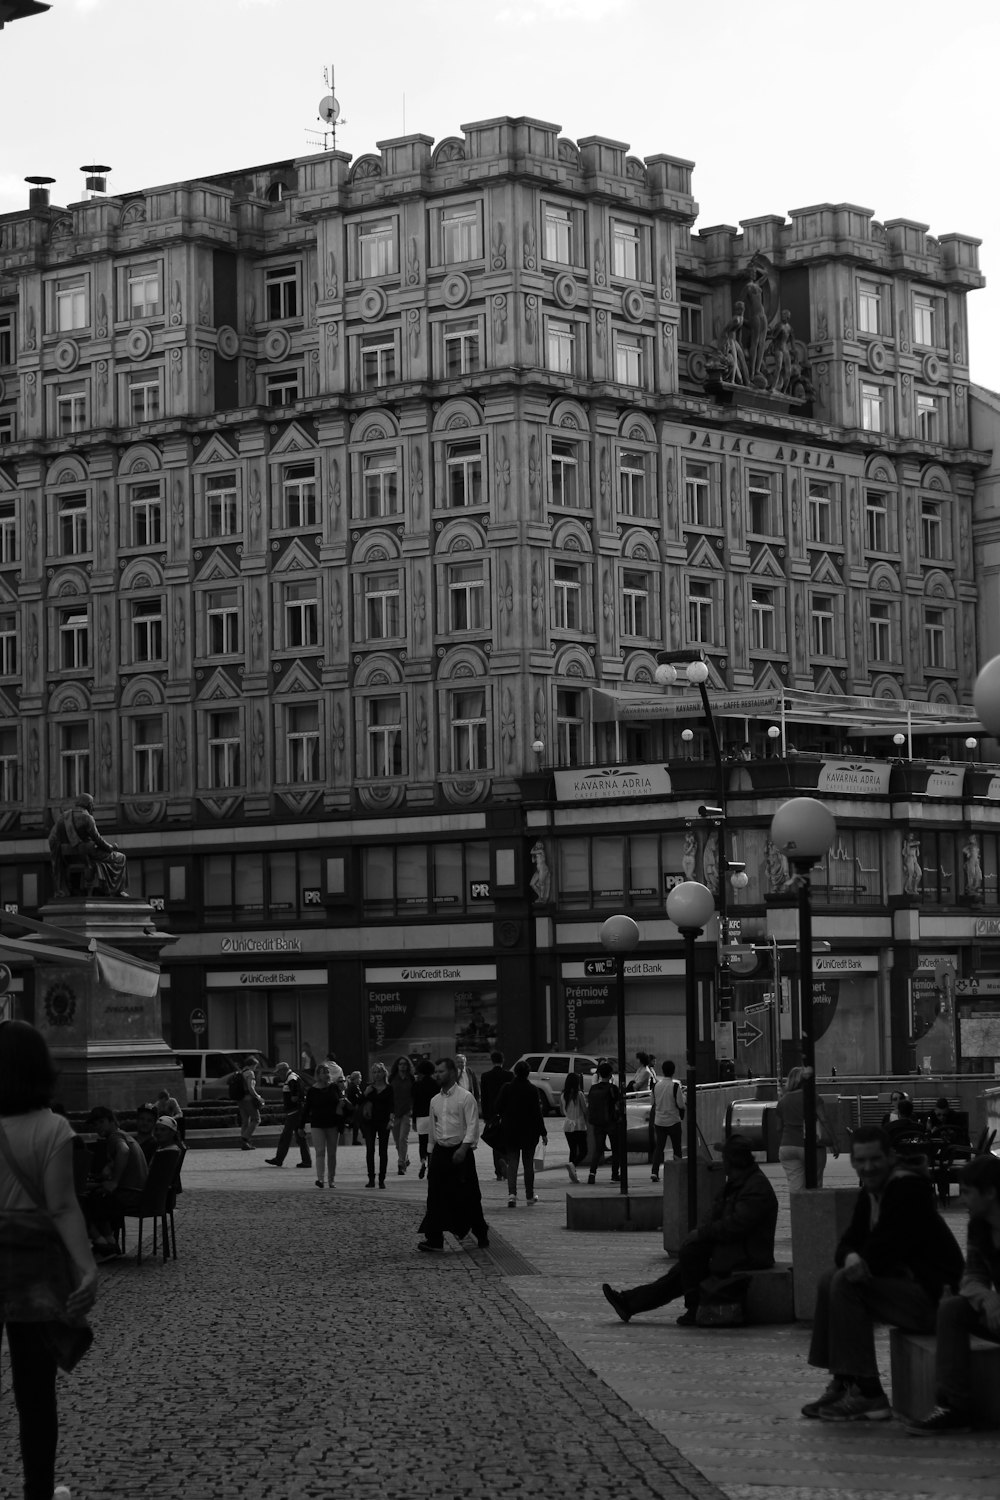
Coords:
pixel 288 1353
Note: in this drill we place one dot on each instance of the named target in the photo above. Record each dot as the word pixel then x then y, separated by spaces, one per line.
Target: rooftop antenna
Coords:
pixel 329 112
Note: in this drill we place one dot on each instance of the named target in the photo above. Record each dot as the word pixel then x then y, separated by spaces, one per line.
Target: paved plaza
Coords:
pixel 301 1347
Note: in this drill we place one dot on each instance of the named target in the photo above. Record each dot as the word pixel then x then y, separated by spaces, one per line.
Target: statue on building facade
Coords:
pixel 541 880
pixel 83 862
pixel 972 866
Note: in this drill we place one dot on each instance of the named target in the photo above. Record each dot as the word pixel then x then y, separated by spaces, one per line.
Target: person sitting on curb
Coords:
pixel 738 1233
pixel 976 1309
pixel 892 1264
pixel 293 1099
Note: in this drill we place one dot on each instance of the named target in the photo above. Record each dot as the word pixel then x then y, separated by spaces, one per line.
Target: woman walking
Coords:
pixel 36 1172
pixel 522 1124
pixel 376 1112
pixel 792 1133
pixel 424 1088
pixel 401 1082
pixel 574 1106
pixel 324 1111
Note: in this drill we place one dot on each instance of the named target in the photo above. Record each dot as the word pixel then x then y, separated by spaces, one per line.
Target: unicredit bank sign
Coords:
pixel 432 974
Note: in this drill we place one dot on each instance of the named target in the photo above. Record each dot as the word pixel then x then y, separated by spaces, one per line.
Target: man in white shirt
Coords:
pixel 454 1201
pixel 668 1112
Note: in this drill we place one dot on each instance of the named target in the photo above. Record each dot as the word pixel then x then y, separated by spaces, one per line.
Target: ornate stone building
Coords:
pixel 343 502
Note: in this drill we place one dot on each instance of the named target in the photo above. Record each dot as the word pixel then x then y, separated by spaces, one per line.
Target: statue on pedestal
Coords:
pixel 83 862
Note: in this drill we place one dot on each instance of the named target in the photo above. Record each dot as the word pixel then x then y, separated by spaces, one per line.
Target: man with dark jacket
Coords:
pixel 739 1233
pixel 490 1085
pixel 293 1100
pixel 604 1112
pixel 892 1264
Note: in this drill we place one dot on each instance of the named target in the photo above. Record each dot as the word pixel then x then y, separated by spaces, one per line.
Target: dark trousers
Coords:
pixel 33 1367
pixel 665 1133
pixel 843 1336
pixel 605 1135
pixel 381 1134
pixel 576 1140
pixel 454 1200
pixel 957 1321
pixel 293 1127
pixel 693 1265
pixel 526 1155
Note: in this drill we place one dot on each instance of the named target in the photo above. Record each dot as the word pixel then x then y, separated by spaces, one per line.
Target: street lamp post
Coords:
pixel 803 829
pixel 689 906
pixel 619 936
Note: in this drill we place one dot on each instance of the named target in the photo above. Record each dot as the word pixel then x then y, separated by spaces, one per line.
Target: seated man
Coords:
pixel 145 1122
pixel 949 1139
pixel 122 1180
pixel 906 1131
pixel 976 1309
pixel 893 1262
pixel 738 1233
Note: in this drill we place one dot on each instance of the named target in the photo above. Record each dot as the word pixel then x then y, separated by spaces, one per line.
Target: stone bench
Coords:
pixel 593 1210
pixel 912 1363
pixel 770 1296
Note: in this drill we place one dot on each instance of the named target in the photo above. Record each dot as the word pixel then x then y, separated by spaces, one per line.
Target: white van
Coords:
pixel 207 1074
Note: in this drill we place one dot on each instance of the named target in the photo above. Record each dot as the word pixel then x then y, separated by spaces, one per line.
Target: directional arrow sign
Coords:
pixel 594 968
pixel 747 1034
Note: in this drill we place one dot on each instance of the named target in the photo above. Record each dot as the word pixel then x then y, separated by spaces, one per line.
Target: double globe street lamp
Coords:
pixel 691 906
pixel 619 937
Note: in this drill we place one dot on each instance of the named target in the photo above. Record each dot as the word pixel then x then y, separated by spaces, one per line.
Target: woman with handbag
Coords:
pixel 574 1104
pixel 792 1133
pixel 325 1112
pixel 521 1121
pixel 48 1275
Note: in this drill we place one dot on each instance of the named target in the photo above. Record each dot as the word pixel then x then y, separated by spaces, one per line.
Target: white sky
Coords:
pixel 781 104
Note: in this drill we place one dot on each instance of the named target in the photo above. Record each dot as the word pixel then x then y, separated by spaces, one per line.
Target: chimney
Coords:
pixel 38 198
pixel 97 179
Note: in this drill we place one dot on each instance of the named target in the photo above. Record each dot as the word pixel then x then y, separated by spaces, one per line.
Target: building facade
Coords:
pixel 345 509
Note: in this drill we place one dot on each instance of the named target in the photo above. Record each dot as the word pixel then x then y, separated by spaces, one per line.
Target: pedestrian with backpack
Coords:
pixel 604 1110
pixel 668 1112
pixel 249 1102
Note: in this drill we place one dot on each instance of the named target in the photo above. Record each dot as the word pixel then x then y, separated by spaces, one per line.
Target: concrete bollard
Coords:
pixel 819 1218
pixel 711 1181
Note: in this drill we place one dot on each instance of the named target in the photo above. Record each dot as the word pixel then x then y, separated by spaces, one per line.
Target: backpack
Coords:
pixel 237 1087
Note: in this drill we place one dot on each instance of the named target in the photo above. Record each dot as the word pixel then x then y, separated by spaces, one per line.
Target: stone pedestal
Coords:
pixel 597 1211
pixel 819 1218
pixel 711 1181
pixel 99 1010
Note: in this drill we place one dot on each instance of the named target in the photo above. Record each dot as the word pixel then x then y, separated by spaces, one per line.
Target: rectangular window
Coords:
pixel 222 505
pixel 143 398
pixel 869 307
pixel 283 388
pixel 73 515
pixel 145 515
pixel 629 359
pixel 460 237
pixel 626 251
pixel 281 293
pixel 876 521
pixel 822 625
pixel 74 759
pixel 563 471
pixel 763 635
pixel 9 762
pixel 466 596
pixel 700 611
pixel 298 493
pixel 74 639
pixel 382 606
pixel 464 473
pixel 468 731
pixel 224 749
pixel 8 645
pixel 384 734
pixel 147 755
pixel 928 418
pixel 376 244
pixel 692 320
pixel 71 304
pixel 461 349
pixel 8 427
pixel 9 549
pixel 142 290
pixel 923 321
pixel 7 349
pixel 873 408
pixel 222 616
pixel 302 742
pixel 569 727
pixel 636 494
pixel 820 497
pixel 560 346
pixel 378 360
pixel 635 602
pixel 147 629
pixel 879 631
pixel 931 534
pixel 381 484
pixel 698 508
pixel 764 503
pixel 559 234
pixel 934 638
pixel 71 410
pixel 567 596
pixel 301 604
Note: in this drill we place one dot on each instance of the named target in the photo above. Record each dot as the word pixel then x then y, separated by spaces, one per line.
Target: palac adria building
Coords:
pixel 345 510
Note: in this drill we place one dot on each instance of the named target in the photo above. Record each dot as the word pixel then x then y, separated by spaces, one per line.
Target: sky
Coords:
pixel 782 104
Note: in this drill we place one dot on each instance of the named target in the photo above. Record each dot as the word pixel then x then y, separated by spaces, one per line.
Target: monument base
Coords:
pixel 819 1218
pixel 711 1180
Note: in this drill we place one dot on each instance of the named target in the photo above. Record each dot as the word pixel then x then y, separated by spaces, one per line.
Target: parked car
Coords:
pixel 207 1074
pixel 549 1071
pixel 638 1110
